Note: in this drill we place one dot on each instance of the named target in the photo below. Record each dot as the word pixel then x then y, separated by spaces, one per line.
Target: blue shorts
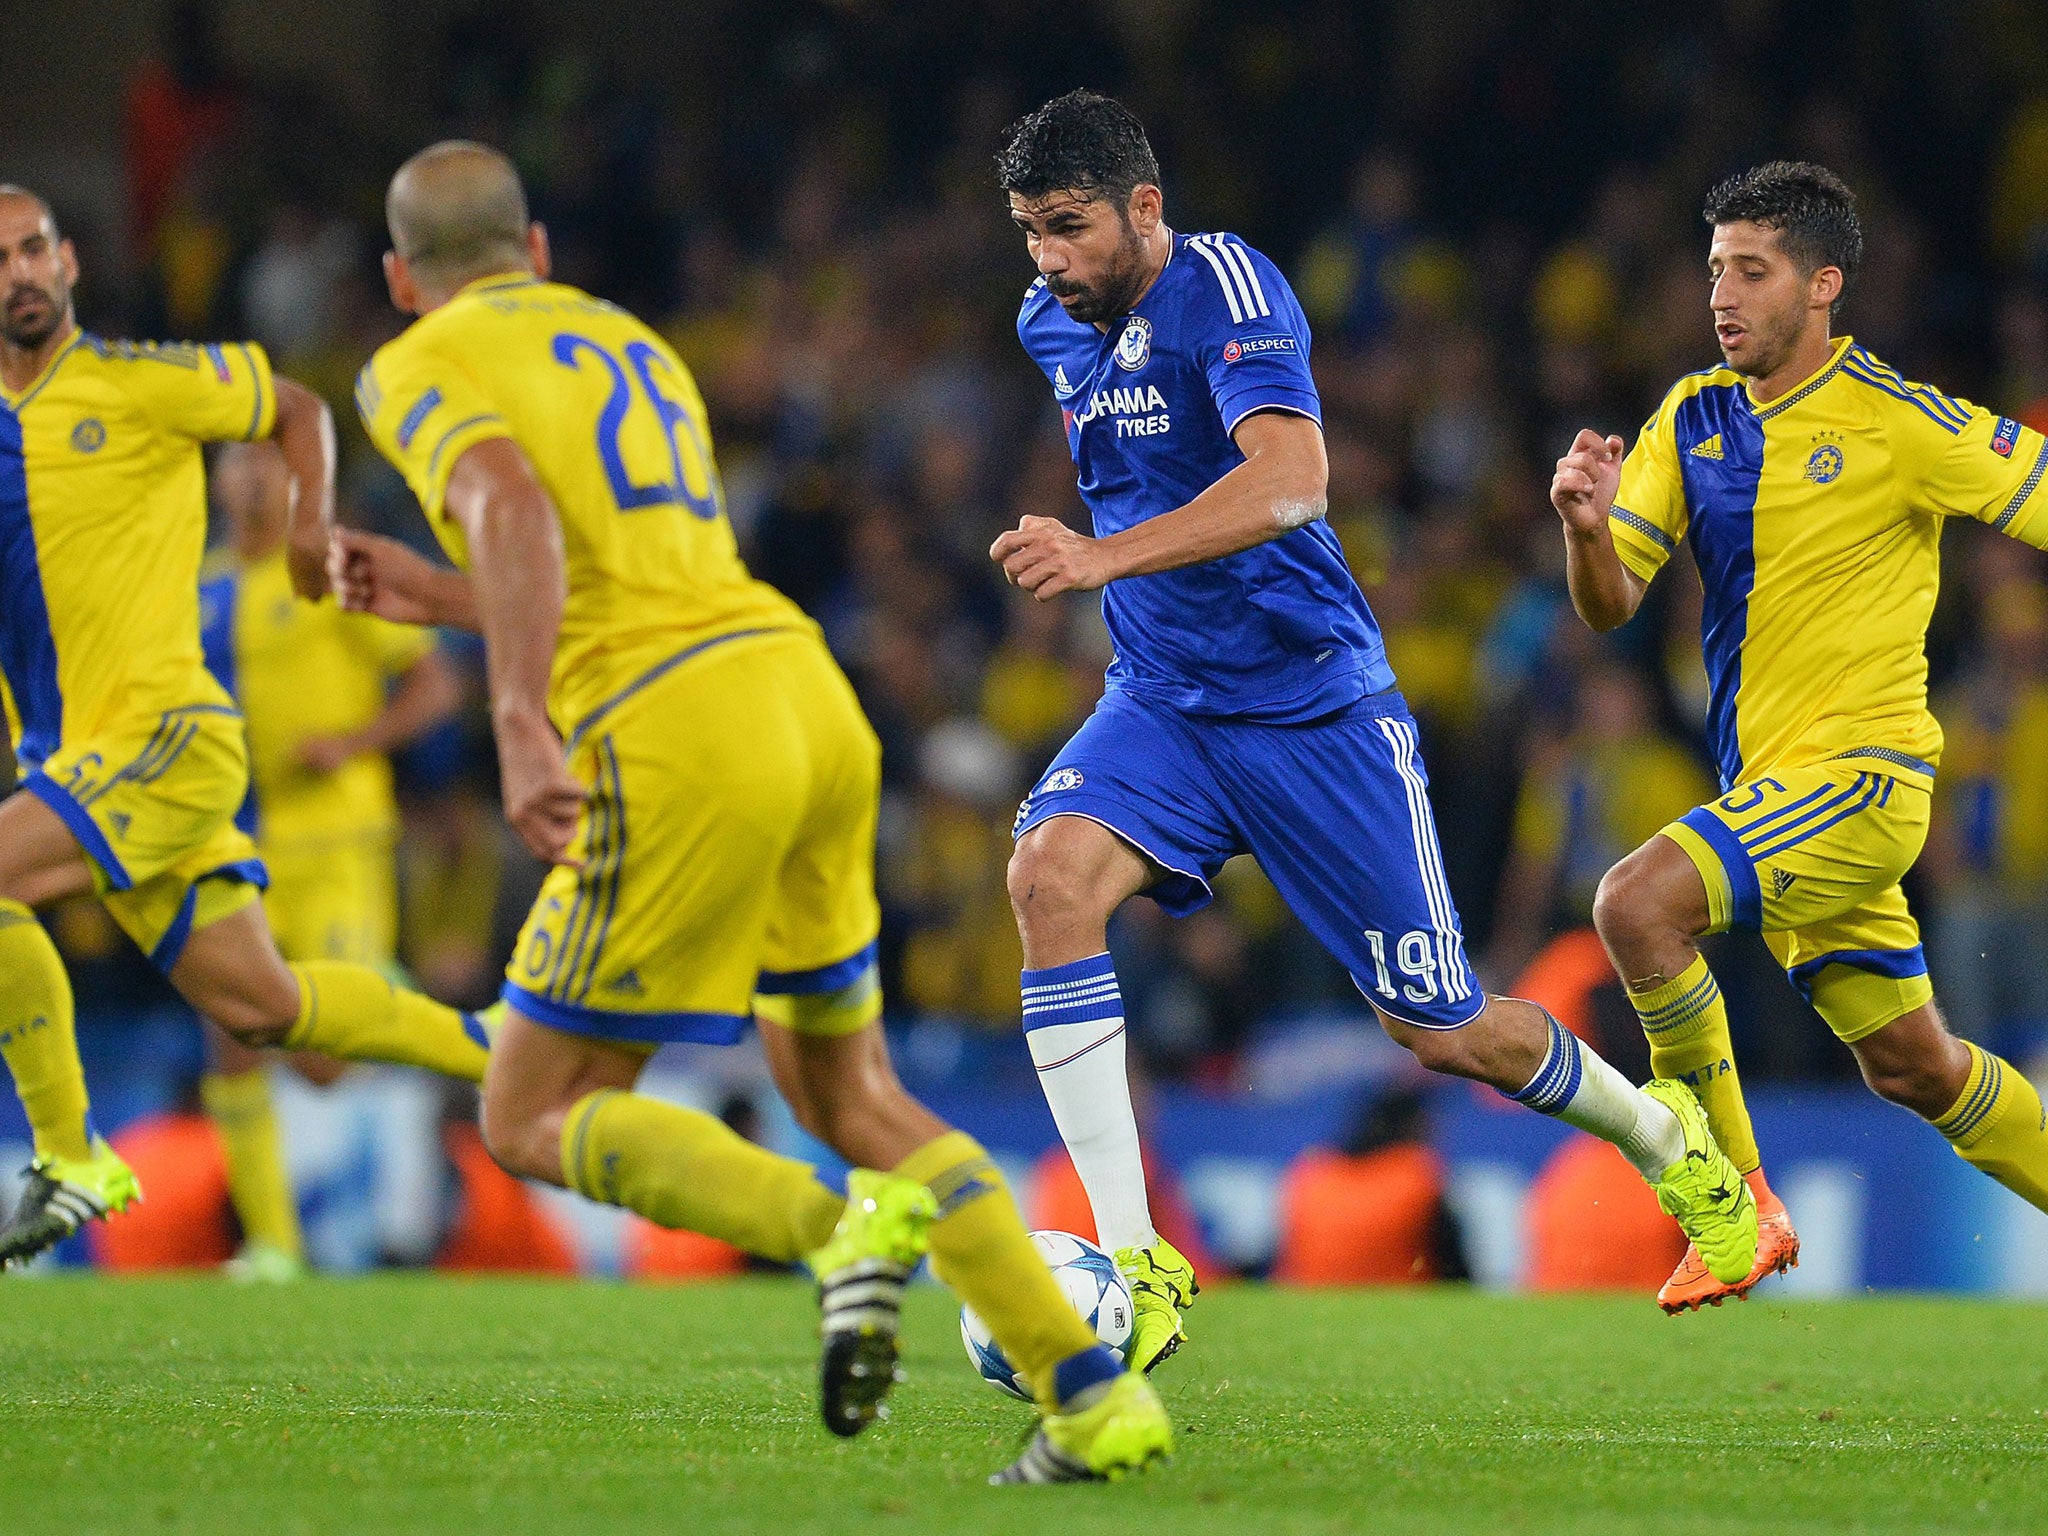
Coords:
pixel 1336 811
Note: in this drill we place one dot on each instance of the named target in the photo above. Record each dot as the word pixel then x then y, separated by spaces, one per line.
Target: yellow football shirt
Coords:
pixel 616 431
pixel 300 671
pixel 1816 522
pixel 102 526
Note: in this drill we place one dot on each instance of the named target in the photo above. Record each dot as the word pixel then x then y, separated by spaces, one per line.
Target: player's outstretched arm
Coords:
pixel 373 574
pixel 304 431
pixel 1282 485
pixel 1605 592
pixel 520 581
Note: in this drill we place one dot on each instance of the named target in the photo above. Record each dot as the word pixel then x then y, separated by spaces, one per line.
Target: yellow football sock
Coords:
pixel 38 1038
pixel 1997 1124
pixel 355 1013
pixel 981 1250
pixel 681 1168
pixel 1687 1025
pixel 259 1184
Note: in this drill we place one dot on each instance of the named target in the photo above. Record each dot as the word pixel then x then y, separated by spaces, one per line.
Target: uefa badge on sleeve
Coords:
pixel 1134 346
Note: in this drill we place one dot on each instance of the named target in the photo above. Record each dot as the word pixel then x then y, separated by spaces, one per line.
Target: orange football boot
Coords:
pixel 1777 1250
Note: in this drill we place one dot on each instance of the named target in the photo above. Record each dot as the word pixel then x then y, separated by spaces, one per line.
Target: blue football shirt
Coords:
pixel 1279 632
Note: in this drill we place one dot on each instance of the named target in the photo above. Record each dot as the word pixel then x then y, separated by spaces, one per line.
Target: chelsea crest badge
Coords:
pixel 1134 346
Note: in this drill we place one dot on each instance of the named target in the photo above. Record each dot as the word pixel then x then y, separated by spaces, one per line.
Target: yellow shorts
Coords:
pixel 728 850
pixel 1811 858
pixel 334 898
pixel 153 805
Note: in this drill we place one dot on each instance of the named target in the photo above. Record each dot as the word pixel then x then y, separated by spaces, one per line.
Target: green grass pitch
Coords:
pixel 420 1404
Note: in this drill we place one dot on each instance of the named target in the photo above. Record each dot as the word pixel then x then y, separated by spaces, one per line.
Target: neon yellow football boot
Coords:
pixel 1161 1282
pixel 1702 1190
pixel 62 1195
pixel 1112 1429
pixel 862 1270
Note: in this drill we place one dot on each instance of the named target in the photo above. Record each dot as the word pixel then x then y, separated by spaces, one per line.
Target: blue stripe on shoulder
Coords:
pixel 415 418
pixel 1927 409
pixel 434 460
pixel 1949 407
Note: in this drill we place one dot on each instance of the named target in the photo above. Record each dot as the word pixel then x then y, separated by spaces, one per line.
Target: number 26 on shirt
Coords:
pixel 570 351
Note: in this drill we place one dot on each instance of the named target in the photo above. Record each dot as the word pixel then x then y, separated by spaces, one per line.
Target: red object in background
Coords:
pixel 184 1220
pixel 656 1253
pixel 1563 977
pixel 1367 1220
pixel 1594 1225
pixel 166 128
pixel 499 1226
pixel 1058 1202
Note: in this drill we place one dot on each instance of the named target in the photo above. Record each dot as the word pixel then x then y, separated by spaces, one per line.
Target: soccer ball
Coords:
pixel 1090 1278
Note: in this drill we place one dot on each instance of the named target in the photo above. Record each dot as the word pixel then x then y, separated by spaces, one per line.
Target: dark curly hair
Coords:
pixel 1811 207
pixel 1079 142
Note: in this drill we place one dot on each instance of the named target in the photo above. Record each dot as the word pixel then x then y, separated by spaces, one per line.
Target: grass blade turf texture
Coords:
pixel 421 1404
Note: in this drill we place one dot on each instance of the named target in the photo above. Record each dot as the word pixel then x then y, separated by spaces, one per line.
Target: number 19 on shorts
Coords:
pixel 1414 956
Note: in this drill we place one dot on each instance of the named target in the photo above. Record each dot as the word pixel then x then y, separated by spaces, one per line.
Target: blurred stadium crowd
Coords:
pixel 1490 213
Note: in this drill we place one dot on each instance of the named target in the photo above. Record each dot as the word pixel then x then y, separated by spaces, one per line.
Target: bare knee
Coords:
pixel 1649 909
pixel 255 1010
pixel 536 1079
pixel 1915 1085
pixel 522 1137
pixel 1916 1063
pixel 1066 877
pixel 232 973
pixel 1449 1051
pixel 1045 885
pixel 1623 909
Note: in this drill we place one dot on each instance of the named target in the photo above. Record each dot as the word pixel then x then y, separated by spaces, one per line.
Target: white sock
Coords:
pixel 1578 1087
pixel 1074 1024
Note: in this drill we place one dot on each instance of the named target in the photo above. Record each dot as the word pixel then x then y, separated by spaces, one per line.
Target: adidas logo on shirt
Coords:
pixel 1060 386
pixel 1710 449
pixel 627 983
pixel 1781 882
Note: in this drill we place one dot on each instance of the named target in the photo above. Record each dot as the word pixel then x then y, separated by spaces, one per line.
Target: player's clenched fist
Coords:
pixel 1045 557
pixel 542 799
pixel 1587 476
pixel 373 574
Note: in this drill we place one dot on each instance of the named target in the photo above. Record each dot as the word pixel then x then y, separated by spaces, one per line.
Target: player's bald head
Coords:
pixel 16 200
pixel 457 212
